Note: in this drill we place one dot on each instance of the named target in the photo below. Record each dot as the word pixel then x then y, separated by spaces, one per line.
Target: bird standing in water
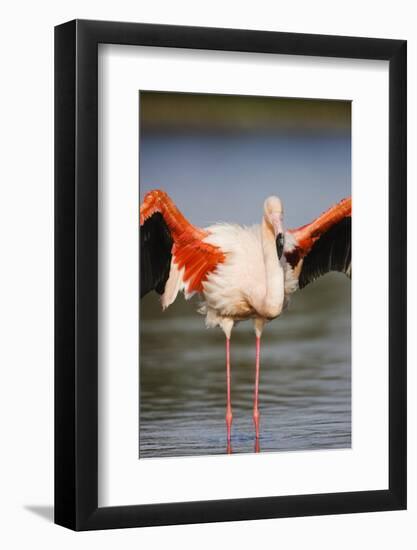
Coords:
pixel 240 272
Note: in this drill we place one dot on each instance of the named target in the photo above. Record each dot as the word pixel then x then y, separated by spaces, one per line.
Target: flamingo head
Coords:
pixel 274 215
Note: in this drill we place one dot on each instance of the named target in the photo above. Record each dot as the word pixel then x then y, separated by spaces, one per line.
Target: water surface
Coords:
pixel 305 399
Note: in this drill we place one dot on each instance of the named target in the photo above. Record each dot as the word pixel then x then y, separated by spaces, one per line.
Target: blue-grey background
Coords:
pixel 219 157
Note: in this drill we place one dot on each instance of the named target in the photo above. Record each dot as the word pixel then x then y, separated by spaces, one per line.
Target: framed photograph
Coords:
pixel 230 254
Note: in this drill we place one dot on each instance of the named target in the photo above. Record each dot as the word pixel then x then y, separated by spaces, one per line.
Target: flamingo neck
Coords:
pixel 274 273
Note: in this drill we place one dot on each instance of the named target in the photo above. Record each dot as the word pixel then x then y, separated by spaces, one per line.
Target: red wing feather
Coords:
pixel 198 258
pixel 306 235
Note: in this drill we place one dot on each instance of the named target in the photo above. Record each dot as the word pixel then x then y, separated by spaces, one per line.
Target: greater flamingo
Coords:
pixel 240 272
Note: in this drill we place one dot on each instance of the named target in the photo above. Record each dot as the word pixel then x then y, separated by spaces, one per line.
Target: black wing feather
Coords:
pixel 155 254
pixel 332 252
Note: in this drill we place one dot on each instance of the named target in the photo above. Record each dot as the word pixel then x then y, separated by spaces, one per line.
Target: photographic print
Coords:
pixel 245 274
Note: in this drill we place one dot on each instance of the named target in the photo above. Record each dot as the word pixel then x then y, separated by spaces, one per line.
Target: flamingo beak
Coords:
pixel 279 234
pixel 280 244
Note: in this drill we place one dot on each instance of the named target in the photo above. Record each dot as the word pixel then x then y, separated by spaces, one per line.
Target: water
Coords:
pixel 305 399
pixel 305 386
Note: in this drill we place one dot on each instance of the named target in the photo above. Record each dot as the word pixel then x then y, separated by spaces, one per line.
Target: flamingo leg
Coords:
pixel 229 415
pixel 256 415
pixel 259 326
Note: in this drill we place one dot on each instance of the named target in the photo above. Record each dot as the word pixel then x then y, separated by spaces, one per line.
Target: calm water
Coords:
pixel 305 398
pixel 305 388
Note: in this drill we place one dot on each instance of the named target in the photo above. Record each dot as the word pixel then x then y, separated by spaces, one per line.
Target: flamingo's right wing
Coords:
pixel 166 239
pixel 155 254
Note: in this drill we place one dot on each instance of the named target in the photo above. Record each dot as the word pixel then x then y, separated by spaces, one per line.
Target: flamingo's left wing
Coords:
pixel 323 245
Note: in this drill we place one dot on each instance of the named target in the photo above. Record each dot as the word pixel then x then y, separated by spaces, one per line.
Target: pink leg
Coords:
pixel 255 400
pixel 229 416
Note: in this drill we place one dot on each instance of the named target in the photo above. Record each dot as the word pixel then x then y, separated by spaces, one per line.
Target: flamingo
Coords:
pixel 240 272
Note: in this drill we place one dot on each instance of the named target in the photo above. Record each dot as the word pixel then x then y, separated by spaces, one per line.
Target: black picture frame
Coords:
pixel 76 271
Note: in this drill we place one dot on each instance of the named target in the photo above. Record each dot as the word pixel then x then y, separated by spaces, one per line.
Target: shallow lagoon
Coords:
pixel 305 396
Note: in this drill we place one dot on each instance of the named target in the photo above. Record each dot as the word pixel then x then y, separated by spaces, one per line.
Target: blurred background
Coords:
pixel 219 157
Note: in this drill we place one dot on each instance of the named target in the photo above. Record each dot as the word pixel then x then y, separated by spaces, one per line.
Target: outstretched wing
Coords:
pixel 169 244
pixel 155 254
pixel 323 245
pixel 332 252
